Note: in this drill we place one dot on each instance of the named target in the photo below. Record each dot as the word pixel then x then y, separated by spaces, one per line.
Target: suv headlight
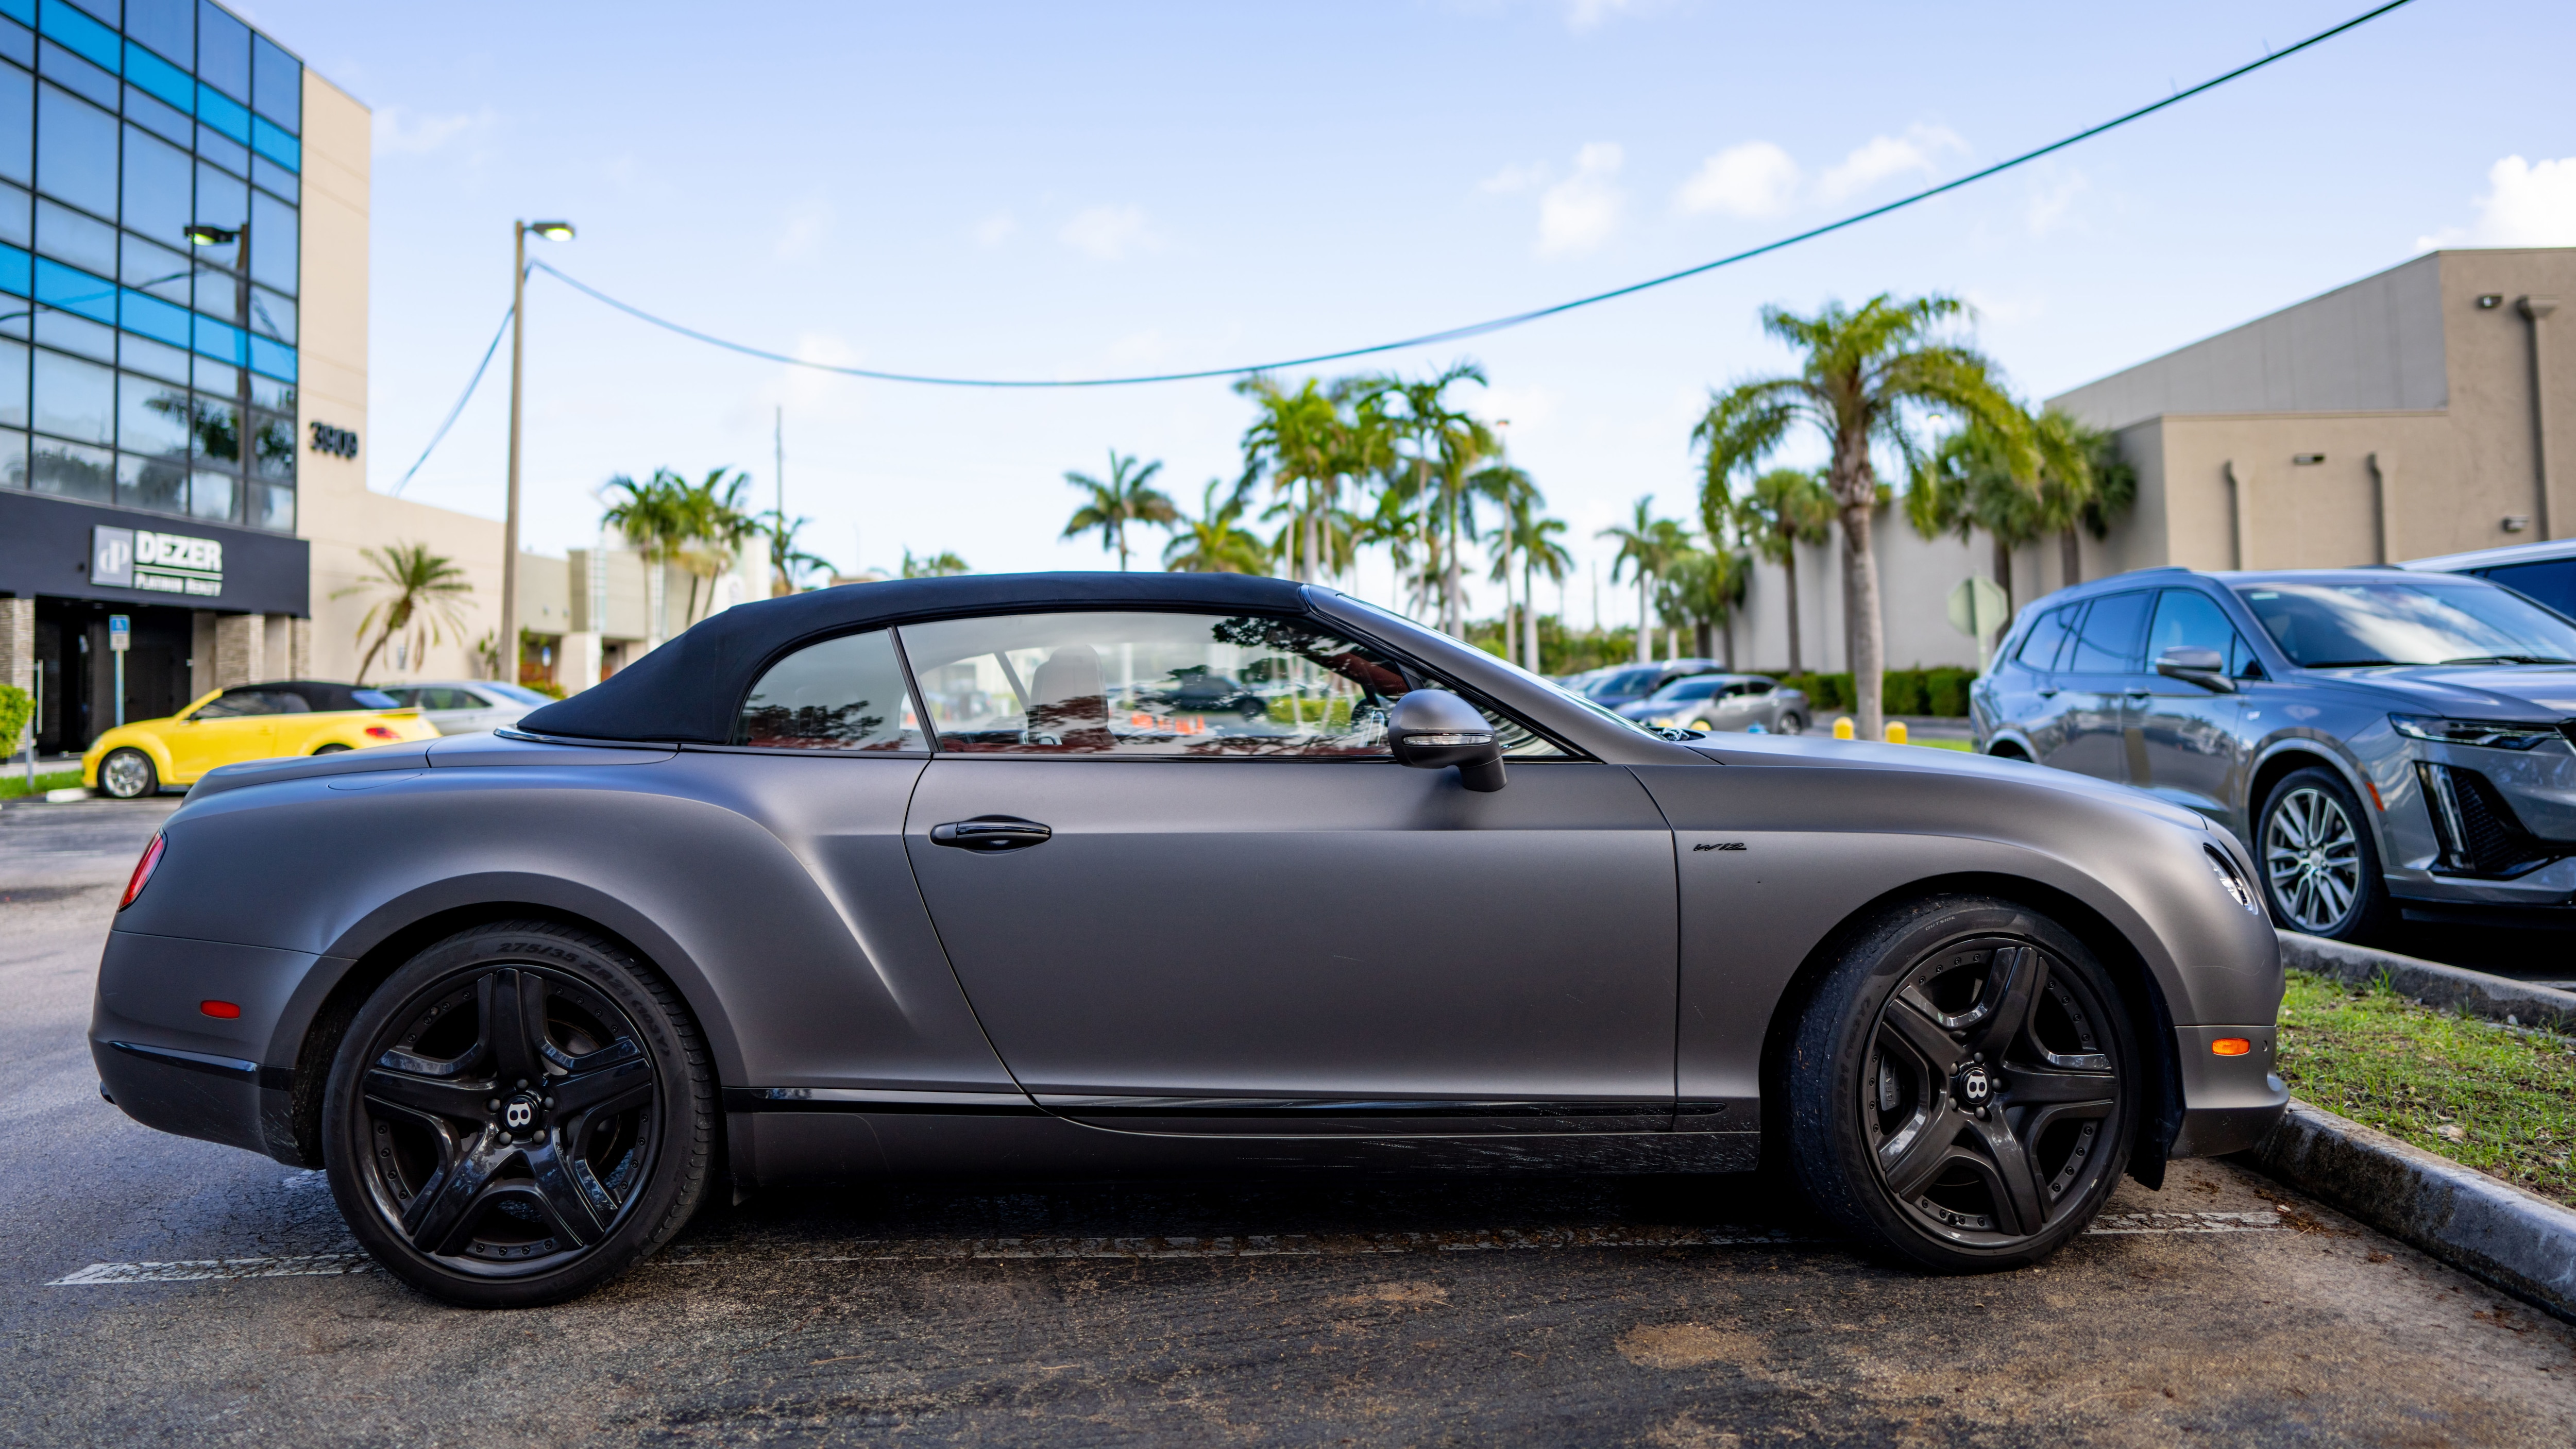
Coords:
pixel 2494 734
pixel 2234 884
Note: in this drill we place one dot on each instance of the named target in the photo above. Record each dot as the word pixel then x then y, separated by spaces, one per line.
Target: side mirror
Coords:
pixel 1432 729
pixel 2204 667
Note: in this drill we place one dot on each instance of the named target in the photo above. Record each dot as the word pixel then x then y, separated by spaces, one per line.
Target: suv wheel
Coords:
pixel 1962 1088
pixel 519 1114
pixel 2320 866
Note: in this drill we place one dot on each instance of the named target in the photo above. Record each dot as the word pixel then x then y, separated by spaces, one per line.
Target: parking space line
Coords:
pixel 1155 1249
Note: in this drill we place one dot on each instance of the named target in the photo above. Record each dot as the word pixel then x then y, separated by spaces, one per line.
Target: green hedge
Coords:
pixel 1940 692
pixel 16 705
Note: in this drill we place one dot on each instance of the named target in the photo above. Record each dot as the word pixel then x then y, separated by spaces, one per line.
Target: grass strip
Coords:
pixel 2483 1094
pixel 13 781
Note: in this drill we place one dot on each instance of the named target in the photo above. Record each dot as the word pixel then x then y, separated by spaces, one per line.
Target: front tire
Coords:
pixel 128 774
pixel 1793 724
pixel 1962 1088
pixel 521 1113
pixel 2320 865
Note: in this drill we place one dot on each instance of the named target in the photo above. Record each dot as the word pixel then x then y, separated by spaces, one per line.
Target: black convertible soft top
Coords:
pixel 688 690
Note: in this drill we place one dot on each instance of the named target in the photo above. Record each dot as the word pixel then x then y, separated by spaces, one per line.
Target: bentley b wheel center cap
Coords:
pixel 519 1113
pixel 1974 1085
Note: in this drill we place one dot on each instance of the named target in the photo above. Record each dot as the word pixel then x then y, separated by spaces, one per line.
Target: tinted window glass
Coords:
pixel 2551 581
pixel 76 158
pixel 2190 619
pixel 2459 621
pixel 156 191
pixel 841 694
pixel 168 26
pixel 17 124
pixel 75 399
pixel 518 692
pixel 1626 681
pixel 223 51
pixel 1688 689
pixel 369 699
pixel 2108 642
pixel 238 702
pixel 2047 636
pixel 1147 684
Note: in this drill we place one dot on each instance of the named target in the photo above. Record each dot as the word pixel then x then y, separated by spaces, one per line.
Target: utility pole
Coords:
pixel 506 647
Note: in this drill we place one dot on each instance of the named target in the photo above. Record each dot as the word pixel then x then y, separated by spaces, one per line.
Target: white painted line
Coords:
pixel 309 1265
pixel 2117 1224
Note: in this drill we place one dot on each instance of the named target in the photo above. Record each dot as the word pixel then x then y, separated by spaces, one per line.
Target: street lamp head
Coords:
pixel 552 230
pixel 201 235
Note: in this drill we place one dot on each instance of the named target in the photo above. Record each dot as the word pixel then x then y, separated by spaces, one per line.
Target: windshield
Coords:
pixel 1589 706
pixel 2327 626
pixel 1681 689
pixel 1626 681
pixel 520 693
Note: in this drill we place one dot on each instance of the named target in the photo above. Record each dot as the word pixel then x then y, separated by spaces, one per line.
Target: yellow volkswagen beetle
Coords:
pixel 246 722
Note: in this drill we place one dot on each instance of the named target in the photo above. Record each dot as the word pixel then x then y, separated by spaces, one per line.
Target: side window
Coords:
pixel 2242 663
pixel 233 703
pixel 2188 618
pixel 1160 684
pixel 841 694
pixel 1758 686
pixel 2551 581
pixel 2108 642
pixel 2047 636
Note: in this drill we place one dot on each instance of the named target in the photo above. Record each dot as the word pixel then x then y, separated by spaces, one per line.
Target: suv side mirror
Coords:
pixel 2204 667
pixel 1432 729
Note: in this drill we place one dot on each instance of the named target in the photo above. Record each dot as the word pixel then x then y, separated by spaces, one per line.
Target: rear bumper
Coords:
pixel 169 1066
pixel 2228 1102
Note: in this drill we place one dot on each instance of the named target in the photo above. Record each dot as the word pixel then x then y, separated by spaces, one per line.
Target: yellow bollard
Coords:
pixel 1896 732
pixel 1843 728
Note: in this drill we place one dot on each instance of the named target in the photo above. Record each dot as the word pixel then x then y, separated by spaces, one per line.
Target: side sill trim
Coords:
pixel 280 1079
pixel 861 1099
pixel 1087 1106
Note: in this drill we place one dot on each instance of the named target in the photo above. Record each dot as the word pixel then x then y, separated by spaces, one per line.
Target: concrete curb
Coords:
pixel 2449 987
pixel 2518 1241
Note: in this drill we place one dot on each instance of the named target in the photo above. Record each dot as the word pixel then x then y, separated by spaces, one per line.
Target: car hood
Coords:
pixel 1777 750
pixel 2535 692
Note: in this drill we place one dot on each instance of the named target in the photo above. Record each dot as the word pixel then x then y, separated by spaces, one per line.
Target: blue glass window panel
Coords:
pixel 18 42
pixel 278 397
pixel 159 270
pixel 157 199
pixel 217 377
pixel 156 319
pixel 264 172
pixel 68 470
pixel 16 218
pixel 59 329
pixel 218 340
pixel 272 316
pixel 74 399
pixel 13 460
pixel 109 12
pixel 221 150
pixel 17 271
pixel 17 125
pixel 60 65
pixel 143 355
pixel 275 359
pixel 157 484
pixel 222 201
pixel 272 242
pixel 166 81
pixel 275 144
pixel 22 11
pixel 217 439
pixel 211 497
pixel 151 417
pixel 222 112
pixel 13 385
pixel 223 50
pixel 165 121
pixel 66 235
pixel 75 151
pixel 75 291
pixel 168 26
pixel 95 43
pixel 276 84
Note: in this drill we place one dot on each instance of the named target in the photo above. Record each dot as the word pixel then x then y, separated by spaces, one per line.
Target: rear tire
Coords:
pixel 1793 724
pixel 128 774
pixel 521 1113
pixel 2320 865
pixel 1961 1090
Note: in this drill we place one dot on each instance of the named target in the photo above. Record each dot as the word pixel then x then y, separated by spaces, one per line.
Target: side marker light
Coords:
pixel 2372 786
pixel 142 876
pixel 220 1010
pixel 2231 1046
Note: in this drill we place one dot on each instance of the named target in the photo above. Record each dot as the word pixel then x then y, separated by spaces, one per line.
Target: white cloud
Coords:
pixel 807 388
pixel 2051 202
pixel 401 132
pixel 807 224
pixel 2527 205
pixel 1515 178
pixel 1754 179
pixel 1881 157
pixel 994 230
pixel 1582 15
pixel 1579 213
pixel 1107 233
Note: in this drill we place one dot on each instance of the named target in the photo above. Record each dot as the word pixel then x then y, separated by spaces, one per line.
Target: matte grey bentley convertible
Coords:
pixel 1097 873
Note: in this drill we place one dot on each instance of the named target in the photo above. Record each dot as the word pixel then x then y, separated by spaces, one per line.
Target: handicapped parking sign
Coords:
pixel 120 632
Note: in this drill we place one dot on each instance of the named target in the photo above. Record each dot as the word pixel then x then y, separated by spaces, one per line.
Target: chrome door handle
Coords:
pixel 990 833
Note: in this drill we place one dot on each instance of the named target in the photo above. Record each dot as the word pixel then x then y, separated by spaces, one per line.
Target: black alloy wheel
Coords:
pixel 520 1113
pixel 2320 864
pixel 1793 724
pixel 1962 1090
pixel 127 774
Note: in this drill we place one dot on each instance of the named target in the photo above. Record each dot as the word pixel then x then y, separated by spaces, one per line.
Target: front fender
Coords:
pixel 135 736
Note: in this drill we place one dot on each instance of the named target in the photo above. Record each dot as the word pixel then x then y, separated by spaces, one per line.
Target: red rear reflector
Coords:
pixel 2231 1046
pixel 221 1010
pixel 379 732
pixel 142 873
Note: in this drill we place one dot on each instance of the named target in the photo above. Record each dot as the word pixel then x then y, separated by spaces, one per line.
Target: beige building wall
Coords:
pixel 334 509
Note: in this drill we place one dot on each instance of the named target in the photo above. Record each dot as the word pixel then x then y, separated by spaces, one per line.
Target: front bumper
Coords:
pixel 2228 1102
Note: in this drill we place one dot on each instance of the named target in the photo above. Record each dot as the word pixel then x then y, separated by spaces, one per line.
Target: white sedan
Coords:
pixel 462 706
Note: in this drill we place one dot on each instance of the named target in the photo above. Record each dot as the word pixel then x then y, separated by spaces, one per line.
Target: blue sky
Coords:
pixel 1059 190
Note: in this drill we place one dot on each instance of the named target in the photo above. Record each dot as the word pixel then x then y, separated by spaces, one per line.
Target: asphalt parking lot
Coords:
pixel 156 1288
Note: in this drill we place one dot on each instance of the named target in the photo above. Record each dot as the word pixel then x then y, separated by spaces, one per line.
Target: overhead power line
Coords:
pixel 462 399
pixel 1497 324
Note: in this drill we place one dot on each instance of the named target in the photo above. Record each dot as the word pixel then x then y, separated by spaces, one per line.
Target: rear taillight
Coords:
pixel 142 872
pixel 379 732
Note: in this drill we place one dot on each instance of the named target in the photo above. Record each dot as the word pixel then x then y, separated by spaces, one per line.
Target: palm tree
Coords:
pixel 1508 489
pixel 786 560
pixel 1446 446
pixel 653 517
pixel 2108 485
pixel 1967 483
pixel 1784 508
pixel 1703 588
pixel 1216 542
pixel 1540 553
pixel 1307 442
pixel 420 592
pixel 1128 497
pixel 1868 374
pixel 1647 547
pixel 718 525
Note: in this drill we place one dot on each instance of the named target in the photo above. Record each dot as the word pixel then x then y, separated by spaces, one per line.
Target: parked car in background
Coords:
pixel 2542 571
pixel 1621 686
pixel 1714 702
pixel 2387 743
pixel 247 722
pixel 462 706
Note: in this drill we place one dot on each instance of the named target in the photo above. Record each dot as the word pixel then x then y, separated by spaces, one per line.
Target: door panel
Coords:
pixel 2092 679
pixel 197 746
pixel 1290 945
pixel 2188 736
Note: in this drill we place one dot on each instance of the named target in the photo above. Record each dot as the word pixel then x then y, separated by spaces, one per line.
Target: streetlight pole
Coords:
pixel 506 648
